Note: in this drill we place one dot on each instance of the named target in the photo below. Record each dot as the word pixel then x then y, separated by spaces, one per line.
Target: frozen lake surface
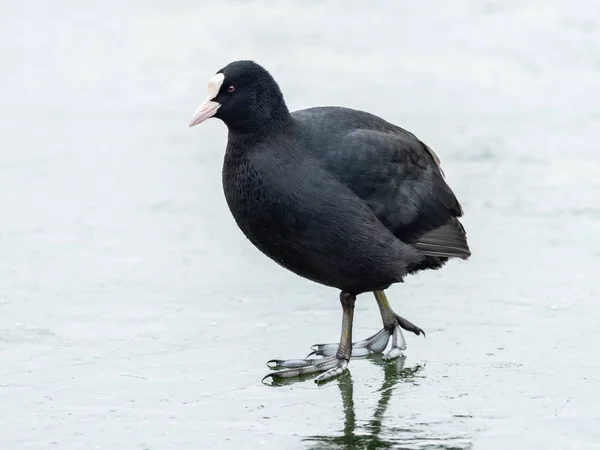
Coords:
pixel 135 315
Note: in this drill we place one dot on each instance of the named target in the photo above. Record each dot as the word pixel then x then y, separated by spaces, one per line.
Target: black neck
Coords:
pixel 260 123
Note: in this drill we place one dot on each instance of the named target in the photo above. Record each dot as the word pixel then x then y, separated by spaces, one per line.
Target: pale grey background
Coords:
pixel 133 313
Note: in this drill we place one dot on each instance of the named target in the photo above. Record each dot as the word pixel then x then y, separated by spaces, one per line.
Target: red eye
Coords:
pixel 231 88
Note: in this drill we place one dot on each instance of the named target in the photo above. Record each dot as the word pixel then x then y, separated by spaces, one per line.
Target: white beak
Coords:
pixel 205 111
pixel 208 107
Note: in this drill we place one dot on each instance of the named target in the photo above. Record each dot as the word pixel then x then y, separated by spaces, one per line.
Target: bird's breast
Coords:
pixel 262 213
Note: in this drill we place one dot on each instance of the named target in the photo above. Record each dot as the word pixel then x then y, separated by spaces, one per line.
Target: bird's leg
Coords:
pixel 332 365
pixel 392 324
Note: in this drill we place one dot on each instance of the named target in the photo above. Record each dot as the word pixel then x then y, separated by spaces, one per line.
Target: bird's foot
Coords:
pixel 398 345
pixel 331 366
pixel 376 343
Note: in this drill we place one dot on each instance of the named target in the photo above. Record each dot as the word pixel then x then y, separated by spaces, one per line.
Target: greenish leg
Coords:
pixel 392 325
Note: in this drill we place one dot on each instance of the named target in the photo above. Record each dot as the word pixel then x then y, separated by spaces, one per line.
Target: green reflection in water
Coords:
pixel 369 436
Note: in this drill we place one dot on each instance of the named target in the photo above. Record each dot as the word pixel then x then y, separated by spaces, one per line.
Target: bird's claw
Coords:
pixel 331 367
pixel 408 325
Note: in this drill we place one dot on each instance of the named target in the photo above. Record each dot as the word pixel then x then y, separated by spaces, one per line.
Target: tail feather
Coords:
pixel 449 240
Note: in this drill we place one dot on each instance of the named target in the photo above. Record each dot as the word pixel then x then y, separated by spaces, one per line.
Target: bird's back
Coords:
pixel 395 173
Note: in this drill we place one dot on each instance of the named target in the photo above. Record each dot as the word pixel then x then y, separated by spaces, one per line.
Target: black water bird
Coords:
pixel 338 196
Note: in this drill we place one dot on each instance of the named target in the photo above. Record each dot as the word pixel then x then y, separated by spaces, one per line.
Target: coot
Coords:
pixel 338 196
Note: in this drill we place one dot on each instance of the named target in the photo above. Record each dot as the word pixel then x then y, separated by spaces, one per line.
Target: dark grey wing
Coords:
pixel 401 180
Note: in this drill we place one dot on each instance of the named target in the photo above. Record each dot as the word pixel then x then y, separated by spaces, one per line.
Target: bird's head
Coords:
pixel 244 96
